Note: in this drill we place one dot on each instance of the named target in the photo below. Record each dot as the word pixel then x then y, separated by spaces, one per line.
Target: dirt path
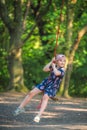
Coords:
pixel 62 115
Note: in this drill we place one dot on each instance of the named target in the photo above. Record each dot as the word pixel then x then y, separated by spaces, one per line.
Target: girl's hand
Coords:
pixel 53 65
pixel 53 60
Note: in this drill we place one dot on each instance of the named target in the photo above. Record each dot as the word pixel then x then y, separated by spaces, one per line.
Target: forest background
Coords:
pixel 28 38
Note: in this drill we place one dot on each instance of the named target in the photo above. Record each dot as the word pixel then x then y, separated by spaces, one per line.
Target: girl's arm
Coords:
pixel 47 67
pixel 55 70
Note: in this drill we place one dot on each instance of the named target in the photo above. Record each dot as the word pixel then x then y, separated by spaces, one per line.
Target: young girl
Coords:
pixel 48 86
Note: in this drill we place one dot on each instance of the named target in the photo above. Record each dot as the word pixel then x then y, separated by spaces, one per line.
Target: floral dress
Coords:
pixel 51 84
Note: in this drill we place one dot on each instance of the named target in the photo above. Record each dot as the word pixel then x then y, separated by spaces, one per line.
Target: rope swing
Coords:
pixel 58 29
pixel 56 46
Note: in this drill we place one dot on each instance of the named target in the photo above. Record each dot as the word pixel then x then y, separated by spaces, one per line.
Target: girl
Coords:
pixel 48 86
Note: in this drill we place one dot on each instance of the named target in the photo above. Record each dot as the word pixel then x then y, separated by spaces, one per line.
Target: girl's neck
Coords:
pixel 58 67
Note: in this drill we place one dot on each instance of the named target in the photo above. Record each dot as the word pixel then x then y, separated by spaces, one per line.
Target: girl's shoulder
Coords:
pixel 63 69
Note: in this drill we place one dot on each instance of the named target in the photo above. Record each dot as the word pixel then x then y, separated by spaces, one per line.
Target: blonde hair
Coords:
pixel 59 56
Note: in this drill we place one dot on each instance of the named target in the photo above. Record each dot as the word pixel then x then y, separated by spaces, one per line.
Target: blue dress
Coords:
pixel 51 84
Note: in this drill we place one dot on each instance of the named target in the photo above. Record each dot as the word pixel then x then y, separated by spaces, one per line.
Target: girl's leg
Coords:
pixel 29 96
pixel 43 106
pixel 27 99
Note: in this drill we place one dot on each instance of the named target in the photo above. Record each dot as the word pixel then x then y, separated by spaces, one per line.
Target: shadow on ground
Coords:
pixel 65 114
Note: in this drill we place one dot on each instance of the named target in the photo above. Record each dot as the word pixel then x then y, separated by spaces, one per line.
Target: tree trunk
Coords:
pixel 16 81
pixel 73 49
pixel 15 67
pixel 70 16
pixel 14 26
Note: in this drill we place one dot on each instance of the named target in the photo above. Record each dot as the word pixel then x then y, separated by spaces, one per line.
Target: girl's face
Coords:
pixel 61 62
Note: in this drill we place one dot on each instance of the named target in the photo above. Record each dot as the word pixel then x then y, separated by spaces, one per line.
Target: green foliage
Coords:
pixel 35 54
pixel 4 76
pixel 78 84
pixel 34 58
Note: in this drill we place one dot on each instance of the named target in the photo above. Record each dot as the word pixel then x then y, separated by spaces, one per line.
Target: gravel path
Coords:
pixel 65 114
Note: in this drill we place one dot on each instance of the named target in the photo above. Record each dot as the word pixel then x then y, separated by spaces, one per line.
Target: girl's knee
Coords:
pixel 34 92
pixel 45 97
pixel 31 93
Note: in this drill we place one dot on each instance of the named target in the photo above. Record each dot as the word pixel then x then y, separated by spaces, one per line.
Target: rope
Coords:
pixel 57 36
pixel 58 29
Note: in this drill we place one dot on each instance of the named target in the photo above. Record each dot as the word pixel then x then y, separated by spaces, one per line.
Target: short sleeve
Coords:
pixel 62 72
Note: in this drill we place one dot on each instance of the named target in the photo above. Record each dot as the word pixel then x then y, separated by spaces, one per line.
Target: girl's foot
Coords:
pixel 37 119
pixel 18 111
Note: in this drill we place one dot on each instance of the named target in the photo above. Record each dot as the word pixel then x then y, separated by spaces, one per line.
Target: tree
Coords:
pixel 72 45
pixel 13 24
pixel 14 14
